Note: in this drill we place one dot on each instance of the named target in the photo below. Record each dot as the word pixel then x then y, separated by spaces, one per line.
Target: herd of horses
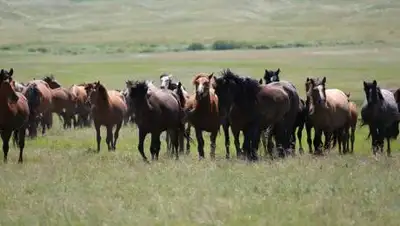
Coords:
pixel 269 110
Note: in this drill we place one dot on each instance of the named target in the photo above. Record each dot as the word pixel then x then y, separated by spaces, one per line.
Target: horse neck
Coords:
pixel 204 103
pixel 103 102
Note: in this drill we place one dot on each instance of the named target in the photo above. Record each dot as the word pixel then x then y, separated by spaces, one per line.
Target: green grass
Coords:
pixel 64 182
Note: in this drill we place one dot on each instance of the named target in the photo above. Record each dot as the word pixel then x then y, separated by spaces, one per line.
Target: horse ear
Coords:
pixel 374 82
pixel 2 72
pixel 170 76
pixel 324 80
pixel 210 76
pixel 365 84
pixel 308 79
pixel 11 72
pixel 278 71
pixel 312 82
pixel 260 81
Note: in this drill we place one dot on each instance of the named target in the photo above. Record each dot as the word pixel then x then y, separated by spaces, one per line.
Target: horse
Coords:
pixel 63 104
pixel 82 109
pixel 167 83
pixel 329 112
pixel 253 108
pixel 300 117
pixel 53 83
pixel 202 111
pixel 14 115
pixel 40 99
pixel 381 113
pixel 156 110
pixel 108 109
pixel 296 110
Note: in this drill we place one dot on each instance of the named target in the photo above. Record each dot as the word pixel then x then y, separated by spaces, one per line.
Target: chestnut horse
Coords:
pixel 329 112
pixel 82 109
pixel 202 111
pixel 156 110
pixel 40 100
pixel 14 115
pixel 108 109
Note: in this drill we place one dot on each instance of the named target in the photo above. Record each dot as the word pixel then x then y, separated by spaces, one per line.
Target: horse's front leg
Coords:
pixel 318 141
pixel 98 136
pixel 155 145
pixel 142 137
pixel 309 139
pixel 5 136
pixel 109 137
pixel 21 143
pixel 299 137
pixel 213 145
pixel 225 126
pixel 188 138
pixel 200 143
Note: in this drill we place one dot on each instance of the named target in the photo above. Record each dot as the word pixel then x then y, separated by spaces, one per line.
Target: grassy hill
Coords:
pixel 64 182
pixel 77 27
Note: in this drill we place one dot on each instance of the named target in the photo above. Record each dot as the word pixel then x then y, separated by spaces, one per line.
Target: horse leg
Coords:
pixel 98 137
pixel 352 137
pixel 200 143
pixel 142 137
pixel 299 137
pixel 188 138
pixel 263 137
pixel 340 140
pixel 177 141
pixel 155 146
pixel 21 143
pixel 318 141
pixel 388 146
pixel 5 136
pixel 309 140
pixel 109 137
pixel 225 126
pixel 213 145
pixel 236 141
pixel 116 135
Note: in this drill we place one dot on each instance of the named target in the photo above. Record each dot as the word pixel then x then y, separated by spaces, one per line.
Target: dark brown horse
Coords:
pixel 329 112
pixel 53 83
pixel 258 107
pixel 203 112
pixel 40 101
pixel 156 110
pixel 108 109
pixel 14 114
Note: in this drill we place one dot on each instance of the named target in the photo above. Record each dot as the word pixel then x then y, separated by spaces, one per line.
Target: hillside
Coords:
pixel 156 25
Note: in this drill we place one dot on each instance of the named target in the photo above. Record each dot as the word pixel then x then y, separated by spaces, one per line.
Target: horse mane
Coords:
pixel 140 86
pixel 102 92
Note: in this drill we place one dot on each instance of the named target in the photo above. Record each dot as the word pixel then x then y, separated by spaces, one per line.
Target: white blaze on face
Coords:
pixel 274 78
pixel 321 94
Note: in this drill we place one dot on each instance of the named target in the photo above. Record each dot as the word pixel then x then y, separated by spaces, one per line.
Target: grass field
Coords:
pixel 64 182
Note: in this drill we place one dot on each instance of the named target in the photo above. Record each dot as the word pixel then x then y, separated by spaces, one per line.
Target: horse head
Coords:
pixel 203 82
pixel 53 83
pixel 315 88
pixel 271 76
pixel 7 91
pixel 165 80
pixel 372 92
pixel 6 75
pixel 138 90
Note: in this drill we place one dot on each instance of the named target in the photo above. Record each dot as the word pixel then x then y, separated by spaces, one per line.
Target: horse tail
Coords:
pixel 181 96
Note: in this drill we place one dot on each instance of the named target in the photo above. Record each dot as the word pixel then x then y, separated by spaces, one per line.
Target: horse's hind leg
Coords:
pixel 318 141
pixel 142 136
pixel 155 146
pixel 188 138
pixel 200 142
pixel 98 136
pixel 21 143
pixel 213 145
pixel 116 135
pixel 5 136
pixel 237 143
pixel 389 151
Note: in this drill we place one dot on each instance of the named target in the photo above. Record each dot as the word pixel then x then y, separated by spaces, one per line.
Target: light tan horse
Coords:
pixel 203 112
pixel 108 109
pixel 329 112
pixel 82 109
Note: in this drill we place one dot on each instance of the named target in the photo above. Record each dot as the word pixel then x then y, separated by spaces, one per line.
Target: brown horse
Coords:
pixel 82 109
pixel 329 112
pixel 108 109
pixel 203 111
pixel 156 110
pixel 53 83
pixel 14 114
pixel 63 104
pixel 40 100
